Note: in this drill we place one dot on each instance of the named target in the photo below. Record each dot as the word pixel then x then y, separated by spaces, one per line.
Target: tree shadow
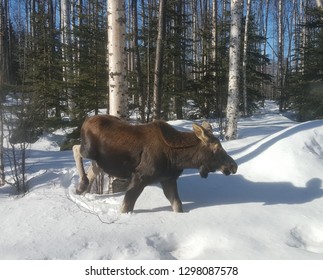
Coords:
pixel 268 141
pixel 39 160
pixel 7 190
pixel 236 189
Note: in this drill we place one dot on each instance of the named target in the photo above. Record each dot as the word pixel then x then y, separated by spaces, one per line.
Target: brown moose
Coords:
pixel 146 154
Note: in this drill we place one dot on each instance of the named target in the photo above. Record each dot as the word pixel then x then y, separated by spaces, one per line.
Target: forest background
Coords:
pixel 54 60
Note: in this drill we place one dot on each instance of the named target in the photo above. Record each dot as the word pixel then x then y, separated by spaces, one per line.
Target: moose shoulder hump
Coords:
pixel 174 138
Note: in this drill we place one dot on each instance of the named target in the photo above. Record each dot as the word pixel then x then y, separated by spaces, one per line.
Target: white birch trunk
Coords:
pixel 232 110
pixel 117 59
pixel 117 68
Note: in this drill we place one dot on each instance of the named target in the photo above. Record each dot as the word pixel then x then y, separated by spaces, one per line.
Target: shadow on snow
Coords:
pixel 236 189
pixel 267 144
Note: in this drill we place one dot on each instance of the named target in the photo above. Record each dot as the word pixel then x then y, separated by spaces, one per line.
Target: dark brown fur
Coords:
pixel 150 153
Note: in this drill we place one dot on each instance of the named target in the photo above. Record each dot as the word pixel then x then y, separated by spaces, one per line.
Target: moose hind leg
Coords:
pixel 84 181
pixel 170 191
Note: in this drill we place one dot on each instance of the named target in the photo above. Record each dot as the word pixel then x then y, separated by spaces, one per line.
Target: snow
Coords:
pixel 271 209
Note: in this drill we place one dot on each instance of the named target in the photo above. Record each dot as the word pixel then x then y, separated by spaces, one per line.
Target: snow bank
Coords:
pixel 286 155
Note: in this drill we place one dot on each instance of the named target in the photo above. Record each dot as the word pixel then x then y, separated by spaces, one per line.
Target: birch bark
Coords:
pixel 232 110
pixel 117 59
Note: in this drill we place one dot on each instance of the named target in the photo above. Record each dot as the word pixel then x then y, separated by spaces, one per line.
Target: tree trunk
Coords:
pixel 117 59
pixel 214 39
pixel 234 71
pixel 244 62
pixel 177 29
pixel 148 36
pixel 2 36
pixel 117 67
pixel 3 70
pixel 4 43
pixel 2 173
pixel 66 44
pixel 264 68
pixel 158 63
pixel 140 83
pixel 280 69
pixel 194 39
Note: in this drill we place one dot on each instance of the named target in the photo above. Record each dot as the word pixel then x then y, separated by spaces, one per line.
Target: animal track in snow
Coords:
pixel 163 244
pixel 308 238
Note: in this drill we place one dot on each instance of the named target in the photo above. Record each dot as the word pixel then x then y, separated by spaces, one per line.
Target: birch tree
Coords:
pixel 117 69
pixel 117 59
pixel 232 109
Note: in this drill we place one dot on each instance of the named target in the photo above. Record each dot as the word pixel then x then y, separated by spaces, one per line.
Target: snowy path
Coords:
pixel 271 209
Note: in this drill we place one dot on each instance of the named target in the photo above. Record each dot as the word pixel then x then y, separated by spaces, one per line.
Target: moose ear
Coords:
pixel 201 133
pixel 207 126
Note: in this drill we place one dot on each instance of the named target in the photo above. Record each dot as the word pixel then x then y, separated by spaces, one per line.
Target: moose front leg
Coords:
pixel 170 191
pixel 135 188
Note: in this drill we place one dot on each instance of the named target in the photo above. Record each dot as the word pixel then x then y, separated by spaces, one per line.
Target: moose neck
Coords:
pixel 188 157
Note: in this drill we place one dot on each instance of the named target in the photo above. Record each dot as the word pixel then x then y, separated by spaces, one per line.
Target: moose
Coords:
pixel 145 154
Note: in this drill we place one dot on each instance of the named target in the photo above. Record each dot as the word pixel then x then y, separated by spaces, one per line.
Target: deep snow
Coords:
pixel 271 209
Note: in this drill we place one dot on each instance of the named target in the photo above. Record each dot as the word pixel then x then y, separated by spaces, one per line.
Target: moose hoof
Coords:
pixel 83 185
pixel 126 209
pixel 177 207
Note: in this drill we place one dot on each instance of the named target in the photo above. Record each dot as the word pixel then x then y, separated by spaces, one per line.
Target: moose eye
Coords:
pixel 216 149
